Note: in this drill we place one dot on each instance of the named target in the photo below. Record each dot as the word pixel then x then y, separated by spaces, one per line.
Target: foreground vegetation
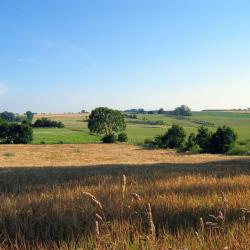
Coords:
pixel 51 207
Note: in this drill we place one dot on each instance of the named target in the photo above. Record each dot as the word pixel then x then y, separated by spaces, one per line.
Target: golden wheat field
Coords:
pixel 122 197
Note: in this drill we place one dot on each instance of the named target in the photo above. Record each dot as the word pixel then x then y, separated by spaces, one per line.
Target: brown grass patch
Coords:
pixel 94 154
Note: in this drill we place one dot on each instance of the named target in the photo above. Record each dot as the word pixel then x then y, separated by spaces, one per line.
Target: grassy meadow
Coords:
pixel 96 197
pixel 138 130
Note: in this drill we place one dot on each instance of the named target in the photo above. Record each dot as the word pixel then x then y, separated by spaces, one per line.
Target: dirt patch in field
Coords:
pixel 93 154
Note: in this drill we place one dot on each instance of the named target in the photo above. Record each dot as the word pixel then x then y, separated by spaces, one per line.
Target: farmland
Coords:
pixel 45 200
pixel 139 129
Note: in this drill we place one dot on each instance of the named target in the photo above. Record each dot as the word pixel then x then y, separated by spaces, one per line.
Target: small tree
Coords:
pixel 30 116
pixel 183 110
pixel 203 138
pixel 191 142
pixel 174 138
pixel 122 137
pixel 161 111
pixel 222 140
pixel 15 133
pixel 105 121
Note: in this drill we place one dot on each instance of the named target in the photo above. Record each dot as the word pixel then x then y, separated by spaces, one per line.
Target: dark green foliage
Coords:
pixel 161 111
pixel 47 123
pixel 222 140
pixel 112 138
pixel 8 116
pixel 130 116
pixel 174 138
pixel 20 118
pixel 122 137
pixel 30 116
pixel 106 121
pixel 4 126
pixel 159 141
pixel 13 133
pixel 191 142
pixel 149 143
pixel 203 139
pixel 183 110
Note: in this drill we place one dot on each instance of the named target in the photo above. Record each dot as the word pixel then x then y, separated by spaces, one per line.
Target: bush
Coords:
pixel 122 137
pixel 236 150
pixel 112 138
pixel 191 143
pixel 159 141
pixel 222 140
pixel 47 123
pixel 174 138
pixel 203 139
pixel 14 133
pixel 149 143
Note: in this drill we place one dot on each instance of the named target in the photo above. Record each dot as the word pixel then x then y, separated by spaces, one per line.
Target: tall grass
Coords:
pixel 157 206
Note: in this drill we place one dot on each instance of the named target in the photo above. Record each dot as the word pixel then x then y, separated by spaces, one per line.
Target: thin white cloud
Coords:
pixel 3 89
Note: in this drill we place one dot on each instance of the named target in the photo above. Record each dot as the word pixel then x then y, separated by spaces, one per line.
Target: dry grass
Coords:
pixel 84 201
pixel 62 116
pixel 93 154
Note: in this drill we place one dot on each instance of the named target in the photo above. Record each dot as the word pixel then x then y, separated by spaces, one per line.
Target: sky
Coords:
pixel 67 55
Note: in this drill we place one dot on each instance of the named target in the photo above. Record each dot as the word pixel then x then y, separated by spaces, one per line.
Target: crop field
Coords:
pixel 97 196
pixel 143 127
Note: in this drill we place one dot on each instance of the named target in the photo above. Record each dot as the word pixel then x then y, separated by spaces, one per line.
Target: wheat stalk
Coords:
pixel 93 199
pixel 135 197
pixel 151 226
pixel 124 182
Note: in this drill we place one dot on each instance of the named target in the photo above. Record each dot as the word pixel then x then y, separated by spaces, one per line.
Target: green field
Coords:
pixel 138 130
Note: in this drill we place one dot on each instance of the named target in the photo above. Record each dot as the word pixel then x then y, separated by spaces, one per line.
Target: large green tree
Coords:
pixel 106 121
pixel 183 110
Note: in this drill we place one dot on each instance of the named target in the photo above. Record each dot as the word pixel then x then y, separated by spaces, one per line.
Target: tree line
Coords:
pixel 221 141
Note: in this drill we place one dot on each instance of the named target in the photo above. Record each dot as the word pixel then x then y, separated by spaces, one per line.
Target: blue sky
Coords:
pixel 68 55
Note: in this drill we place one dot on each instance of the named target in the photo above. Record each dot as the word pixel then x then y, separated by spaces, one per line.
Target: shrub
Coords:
pixel 14 133
pixel 174 138
pixel 203 139
pixel 159 141
pixel 222 140
pixel 191 143
pixel 47 123
pixel 236 150
pixel 149 143
pixel 112 138
pixel 122 137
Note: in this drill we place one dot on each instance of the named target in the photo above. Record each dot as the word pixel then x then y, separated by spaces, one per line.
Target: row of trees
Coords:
pixel 11 117
pixel 205 141
pixel 182 110
pixel 47 123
